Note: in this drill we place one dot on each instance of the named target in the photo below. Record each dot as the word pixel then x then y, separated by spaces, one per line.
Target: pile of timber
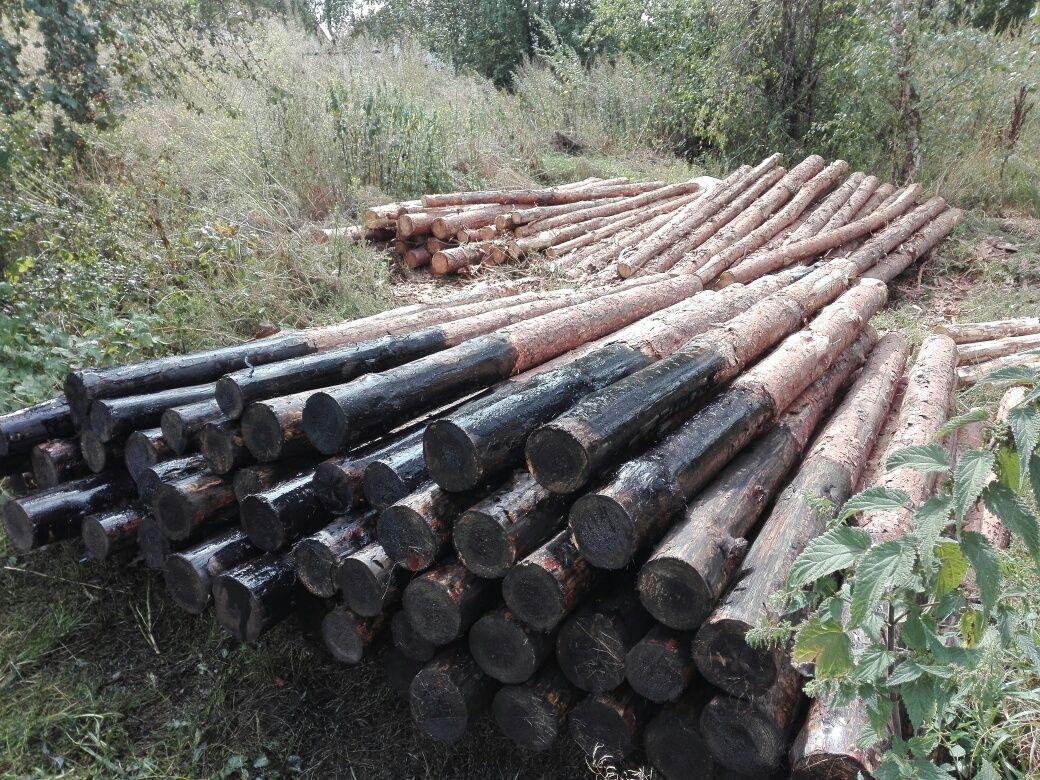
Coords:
pixel 546 503
pixel 984 348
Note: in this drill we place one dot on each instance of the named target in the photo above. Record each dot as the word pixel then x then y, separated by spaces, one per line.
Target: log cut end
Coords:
pixel 407 641
pixel 604 531
pixel 102 422
pixel 324 423
pixel 45 468
pixel 535 596
pixel 674 746
pixel 188 587
pixel 726 660
pixel 153 545
pixel 383 486
pixel 526 718
pixel 438 705
pixel 263 523
pixel 558 459
pixel 362 589
pixel 95 451
pixel 452 457
pixel 674 593
pixel 483 545
pixel 432 611
pixel 229 397
pixel 221 447
pixel 599 726
pixel 175 431
pixel 344 636
pixel 591 653
pixel 110 532
pixel 741 737
pixel 23 534
pixel 333 487
pixel 656 672
pixel 316 567
pixel 262 432
pixel 173 511
pixel 407 538
pixel 503 649
pixel 139 453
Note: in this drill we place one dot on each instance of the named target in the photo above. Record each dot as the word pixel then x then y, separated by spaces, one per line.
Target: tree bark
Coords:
pixel 449 693
pixel 453 260
pixel 116 417
pixel 970 375
pixel 540 197
pixel 251 598
pixel 610 722
pixel 22 430
pixel 278 516
pixel 223 447
pixel 370 581
pixel 673 740
pixel 444 602
pixel 319 556
pixel 517 217
pixel 445 227
pixel 190 573
pixel 848 212
pixel 393 476
pixel 533 714
pixel 347 636
pixel 181 425
pixel 660 665
pixel 971 332
pixel 977 352
pixel 508 649
pixel 883 196
pixel 191 502
pixel 112 532
pixel 144 449
pixel 57 460
pixel 264 476
pixel 917 245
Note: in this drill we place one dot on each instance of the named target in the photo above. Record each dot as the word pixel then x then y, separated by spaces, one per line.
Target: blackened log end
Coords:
pixel 189 588
pixel 674 593
pixel 315 568
pixel 557 459
pixel 262 433
pixel 173 512
pixel 340 631
pixel 361 589
pixel 22 533
pixel 502 649
pixel 451 456
pixel 483 545
pixel 654 672
pixel 741 738
pixel 598 727
pixel 95 451
pixel 324 423
pixel 534 596
pixel 674 746
pixel 263 523
pixel 526 718
pixel 438 706
pixel 604 531
pixel 407 538
pixel 726 660
pixel 383 486
pixel 229 397
pixel 432 612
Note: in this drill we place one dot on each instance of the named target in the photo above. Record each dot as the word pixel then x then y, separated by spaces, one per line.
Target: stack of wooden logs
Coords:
pixel 542 500
pixel 983 348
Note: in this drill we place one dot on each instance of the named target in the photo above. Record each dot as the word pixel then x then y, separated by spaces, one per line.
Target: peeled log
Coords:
pixel 969 332
pixel 370 581
pixel 190 573
pixel 921 242
pixel 882 196
pixel 116 417
pixel 444 602
pixel 112 532
pixel 22 430
pixel 506 648
pixel 694 562
pixel 253 597
pixel 540 197
pixel 191 502
pixel 533 714
pixel 493 534
pixel 830 470
pixel 407 641
pixel 970 375
pixel 56 514
pixel 143 449
pixel 673 740
pixel 347 636
pixel 449 261
pixel 56 461
pixel 610 722
pixel 449 693
pixel 980 351
pixel 181 425
pixel 319 556
pixel 223 447
pixel 278 516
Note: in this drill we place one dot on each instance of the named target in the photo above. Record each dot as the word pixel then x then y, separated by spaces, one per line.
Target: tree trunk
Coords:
pixel 319 556
pixel 278 516
pixel 153 545
pixel 971 332
pixel 660 666
pixel 445 227
pixel 109 533
pixel 347 636
pixel 253 597
pixel 407 641
pixel 190 573
pixel 883 196
pixel 449 693
pixel 22 430
pixel 543 197
pixel 116 417
pixel 144 449
pixel 978 352
pixel 533 714
pixel 450 261
pixel 506 648
pixel 191 502
pixel 444 602
pixel 848 212
pixel 97 454
pixel 264 476
pixel 970 375
pixel 673 740
pixel 392 477
pixel 917 245
pixel 273 429
pixel 223 447
pixel 517 217
pixel 610 722
pixel 417 257
pixel 370 581
pixel 181 425
pixel 56 461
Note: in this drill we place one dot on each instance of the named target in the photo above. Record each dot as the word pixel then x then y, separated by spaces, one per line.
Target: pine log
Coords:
pixel 673 740
pixel 278 516
pixel 917 245
pixel 445 227
pixel 190 502
pixel 98 454
pixel 223 447
pixel 393 476
pixel 338 417
pixel 109 533
pixel 400 670
pixel 548 584
pixel 493 534
pixel 882 196
pixel 971 375
pixel 116 417
pixel 181 425
pixel 417 257
pixel 144 449
pixel 540 197
pixel 191 572
pixel 22 430
pixel 979 519
pixel 831 207
pixel 57 460
pixel 449 693
pixel 319 556
pixel 347 636
pixel 694 562
pixel 533 714
pixel 251 598
pixel 444 602
pixel 830 470
pixel 56 514
pixel 454 259
pixel 637 506
pixel 153 545
pixel 370 581
pixel 660 665
pixel 970 332
pixel 508 649
pixel 976 352
pixel 847 213
pixel 383 216
pixel 264 476
pixel 407 641
pixel 610 722
pixel 516 217
pixel 884 241
pixel 592 644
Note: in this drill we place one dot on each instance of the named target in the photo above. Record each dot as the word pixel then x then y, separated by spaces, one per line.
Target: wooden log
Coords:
pixel 610 722
pixel 338 417
pixel 191 502
pixel 496 532
pixel 97 454
pixel 254 596
pixel 660 666
pixel 454 259
pixel 533 714
pixel 508 649
pixel 190 573
pixel 109 533
pixel 550 196
pixel 370 581
pixel 921 242
pixel 970 375
pixel 547 585
pixel 673 740
pixel 970 332
pixel 348 636
pixel 830 470
pixel 522 216
pixel 638 505
pixel 694 562
pixel 153 545
pixel 116 417
pixel 151 478
pixel 884 241
pixel 278 516
pixel 272 429
pixel 223 447
pixel 445 227
pixel 592 644
pixel 399 671
pixel 319 556
pixel 978 518
pixel 434 245
pixel 407 641
pixel 847 213
pixel 449 693
pixel 57 460
pixel 970 354
pixel 417 257
pixel 444 602
pixel 855 186
pixel 22 430
pixel 56 514
pixel 395 475
pixel 375 217
pixel 181 425
pixel 144 449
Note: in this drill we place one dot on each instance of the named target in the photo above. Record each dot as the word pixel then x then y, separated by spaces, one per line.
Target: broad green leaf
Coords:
pixel 835 550
pixel 906 672
pixel 1012 511
pixel 972 626
pixel 825 644
pixel 1024 422
pixel 978 414
pixel 887 565
pixel 969 478
pixel 953 568
pixel 1008 468
pixel 1034 476
pixel 926 770
pixel 986 771
pixel 919 698
pixel 1015 375
pixel 872 664
pixel 874 499
pixel 930 519
pixel 925 458
pixel 983 557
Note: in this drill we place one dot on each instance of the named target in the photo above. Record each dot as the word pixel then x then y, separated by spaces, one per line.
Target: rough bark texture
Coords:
pixel 57 460
pixel 278 516
pixel 506 648
pixel 190 573
pixel 370 581
pixel 253 597
pixel 347 636
pixel 610 722
pixel 393 476
pixel 982 351
pixel 109 533
pixel 116 417
pixel 454 259
pixel 969 332
pixel 449 693
pixel 181 425
pixel 533 714
pixel 443 603
pixel 319 556
pixel 22 430
pixel 970 375
pixel 541 197
pixel 919 244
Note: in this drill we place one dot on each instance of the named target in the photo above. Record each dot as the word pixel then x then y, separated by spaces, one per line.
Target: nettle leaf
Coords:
pixel 986 771
pixel 920 699
pixel 969 478
pixel 825 644
pixel 930 519
pixel 1034 476
pixel 837 549
pixel 874 499
pixel 1024 422
pixel 872 664
pixel 952 570
pixel 983 558
pixel 972 626
pixel 1015 375
pixel 926 458
pixel 926 770
pixel 1012 511
pixel 906 672
pixel 887 565
pixel 978 414
pixel 1008 468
